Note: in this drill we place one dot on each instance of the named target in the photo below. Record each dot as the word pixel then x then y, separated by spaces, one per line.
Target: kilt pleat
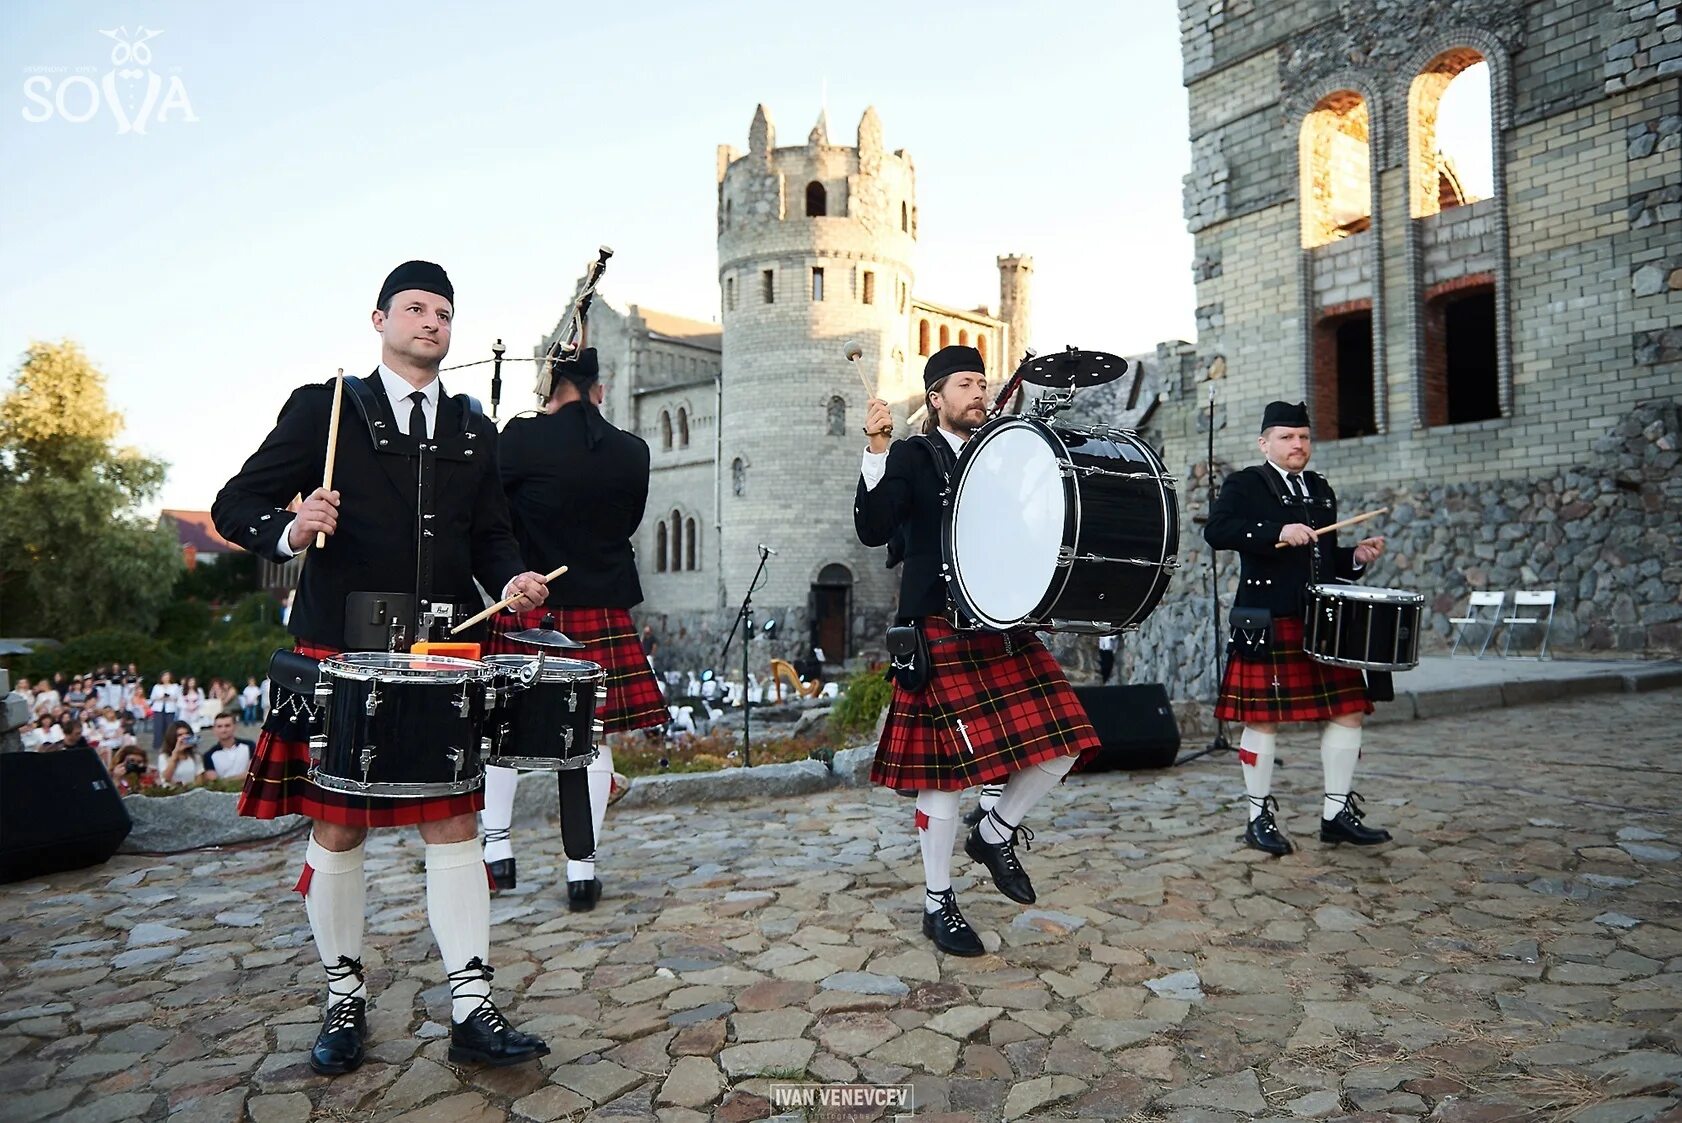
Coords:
pixel 610 638
pixel 1306 690
pixel 995 703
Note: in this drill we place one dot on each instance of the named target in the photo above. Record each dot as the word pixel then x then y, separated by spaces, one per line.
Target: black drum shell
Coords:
pixel 550 724
pixel 421 743
pixel 1366 632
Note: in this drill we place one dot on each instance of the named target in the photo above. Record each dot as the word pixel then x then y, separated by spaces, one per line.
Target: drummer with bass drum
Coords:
pixel 1270 513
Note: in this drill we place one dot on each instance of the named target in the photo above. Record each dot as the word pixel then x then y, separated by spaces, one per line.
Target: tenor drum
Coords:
pixel 1060 528
pixel 400 725
pixel 551 724
pixel 1355 626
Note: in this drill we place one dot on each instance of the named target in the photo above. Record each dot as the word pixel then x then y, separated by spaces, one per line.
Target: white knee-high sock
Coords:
pixel 599 775
pixel 458 903
pixel 1340 748
pixel 1255 753
pixel 334 897
pixel 1022 791
pixel 990 794
pixel 937 829
pixel 498 814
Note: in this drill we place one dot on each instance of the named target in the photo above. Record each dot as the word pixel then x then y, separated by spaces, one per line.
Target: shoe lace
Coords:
pixel 949 915
pixel 1268 805
pixel 496 834
pixel 477 970
pixel 344 969
pixel 1351 805
pixel 1007 848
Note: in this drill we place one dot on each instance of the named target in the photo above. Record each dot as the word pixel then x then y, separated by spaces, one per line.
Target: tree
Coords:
pixel 76 555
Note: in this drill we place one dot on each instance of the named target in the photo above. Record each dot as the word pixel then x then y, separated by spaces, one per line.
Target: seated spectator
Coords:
pixel 73 739
pixel 230 757
pixel 179 762
pixel 32 736
pixel 108 727
pixel 77 694
pixel 47 700
pixel 130 770
pixel 251 701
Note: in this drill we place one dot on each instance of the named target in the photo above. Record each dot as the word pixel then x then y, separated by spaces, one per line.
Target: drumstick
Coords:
pixel 500 605
pixel 1351 521
pixel 853 352
pixel 332 446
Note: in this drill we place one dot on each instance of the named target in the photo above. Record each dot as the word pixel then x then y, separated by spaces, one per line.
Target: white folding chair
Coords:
pixel 1535 600
pixel 1475 605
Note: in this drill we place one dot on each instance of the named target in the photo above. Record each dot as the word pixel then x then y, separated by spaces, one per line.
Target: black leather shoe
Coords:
pixel 949 930
pixel 583 895
pixel 502 874
pixel 486 1038
pixel 1263 833
pixel 338 1047
pixel 1001 861
pixel 973 817
pixel 1346 826
pixel 980 813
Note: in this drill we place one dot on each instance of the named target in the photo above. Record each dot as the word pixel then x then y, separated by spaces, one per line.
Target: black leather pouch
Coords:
pixel 1252 630
pixel 908 652
pixel 293 672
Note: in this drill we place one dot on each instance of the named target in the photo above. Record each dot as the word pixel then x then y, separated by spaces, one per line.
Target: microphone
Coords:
pixel 764 549
pixel 853 350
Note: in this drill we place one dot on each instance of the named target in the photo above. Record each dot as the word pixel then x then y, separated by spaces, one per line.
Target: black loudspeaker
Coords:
pixel 1135 726
pixel 58 811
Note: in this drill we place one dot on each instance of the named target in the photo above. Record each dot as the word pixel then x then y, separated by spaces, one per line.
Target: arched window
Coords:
pixel 677 541
pixel 905 217
pixel 727 214
pixel 837 416
pixel 981 345
pixel 1335 166
pixel 660 546
pixel 945 335
pixel 963 337
pixel 738 477
pixel 922 337
pixel 1450 133
pixel 817 200
pixel 689 544
pixel 665 431
pixel 682 427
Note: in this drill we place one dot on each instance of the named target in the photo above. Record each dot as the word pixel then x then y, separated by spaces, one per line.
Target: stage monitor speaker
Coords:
pixel 58 811
pixel 1135 726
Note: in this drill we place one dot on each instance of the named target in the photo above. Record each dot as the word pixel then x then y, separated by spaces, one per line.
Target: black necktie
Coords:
pixel 417 416
pixel 1296 485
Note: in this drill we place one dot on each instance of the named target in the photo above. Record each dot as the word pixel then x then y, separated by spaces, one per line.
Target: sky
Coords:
pixel 226 244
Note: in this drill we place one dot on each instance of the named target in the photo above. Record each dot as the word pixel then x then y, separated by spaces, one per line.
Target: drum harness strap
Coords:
pixel 945 461
pixel 1293 504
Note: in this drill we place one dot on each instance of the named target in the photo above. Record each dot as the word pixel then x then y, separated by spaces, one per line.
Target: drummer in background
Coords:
pixel 1259 506
pixel 577 486
pixel 996 707
pixel 370 520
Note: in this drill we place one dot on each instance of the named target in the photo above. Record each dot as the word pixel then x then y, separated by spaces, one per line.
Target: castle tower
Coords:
pixel 1015 309
pixel 814 248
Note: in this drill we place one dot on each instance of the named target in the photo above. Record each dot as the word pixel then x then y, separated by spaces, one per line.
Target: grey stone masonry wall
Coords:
pixel 1343 270
pixel 1458 242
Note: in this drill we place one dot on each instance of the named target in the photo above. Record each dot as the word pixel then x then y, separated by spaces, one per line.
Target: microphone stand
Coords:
pixel 744 621
pixel 1220 744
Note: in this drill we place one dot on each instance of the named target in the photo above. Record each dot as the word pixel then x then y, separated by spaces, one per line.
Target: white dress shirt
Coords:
pixel 875 464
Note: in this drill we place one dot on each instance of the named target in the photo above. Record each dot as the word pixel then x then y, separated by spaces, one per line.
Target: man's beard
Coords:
pixel 961 423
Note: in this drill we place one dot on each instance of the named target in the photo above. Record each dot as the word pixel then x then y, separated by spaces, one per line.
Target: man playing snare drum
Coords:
pixel 1269 679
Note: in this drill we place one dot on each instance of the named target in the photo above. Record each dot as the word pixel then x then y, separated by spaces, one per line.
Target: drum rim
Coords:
pixel 547 763
pixel 1371 594
pixel 505 660
pixel 948 524
pixel 456 671
pixel 393 790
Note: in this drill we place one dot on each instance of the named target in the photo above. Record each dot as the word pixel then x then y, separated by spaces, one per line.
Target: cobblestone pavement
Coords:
pixel 1515 954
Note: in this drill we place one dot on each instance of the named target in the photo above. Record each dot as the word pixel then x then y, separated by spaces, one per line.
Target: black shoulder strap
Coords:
pixel 1275 483
pixel 945 460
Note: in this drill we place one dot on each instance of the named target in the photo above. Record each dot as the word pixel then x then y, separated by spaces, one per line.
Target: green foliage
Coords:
pixel 76 555
pixel 863 698
pixel 229 578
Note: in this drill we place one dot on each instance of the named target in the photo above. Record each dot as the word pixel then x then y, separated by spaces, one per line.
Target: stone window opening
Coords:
pixel 902 296
pixel 817 200
pixel 869 293
pixel 677 542
pixel 689 552
pixel 768 286
pixel 922 337
pixel 727 214
pixel 836 414
pixel 1342 380
pixel 665 431
pixel 660 546
pixel 730 294
pixel 1335 166
pixel 905 217
pixel 1450 133
pixel 1461 378
pixel 817 284
pixel 963 337
pixel 738 477
pixel 682 427
pixel 945 335
pixel 981 346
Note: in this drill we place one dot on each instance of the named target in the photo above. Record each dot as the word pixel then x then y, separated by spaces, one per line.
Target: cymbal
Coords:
pixel 545 637
pixel 1072 367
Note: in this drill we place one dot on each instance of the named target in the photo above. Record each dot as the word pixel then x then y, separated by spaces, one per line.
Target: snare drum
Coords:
pixel 548 721
pixel 400 725
pixel 1060 528
pixel 1357 626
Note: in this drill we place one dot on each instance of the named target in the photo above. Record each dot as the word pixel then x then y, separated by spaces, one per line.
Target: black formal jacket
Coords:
pixel 1248 516
pixel 376 473
pixel 907 501
pixel 577 487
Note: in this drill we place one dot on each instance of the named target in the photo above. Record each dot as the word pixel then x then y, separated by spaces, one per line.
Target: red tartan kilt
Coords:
pixel 610 638
pixel 987 712
pixel 278 784
pixel 1308 690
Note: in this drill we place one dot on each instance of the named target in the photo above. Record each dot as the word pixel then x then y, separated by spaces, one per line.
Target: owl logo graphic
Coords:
pixel 131 86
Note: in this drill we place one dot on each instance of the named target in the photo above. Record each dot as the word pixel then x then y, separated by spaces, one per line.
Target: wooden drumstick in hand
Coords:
pixel 1351 521
pixel 332 445
pixel 500 605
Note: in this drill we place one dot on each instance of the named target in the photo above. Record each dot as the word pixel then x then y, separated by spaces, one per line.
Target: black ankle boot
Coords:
pixel 949 930
pixel 338 1047
pixel 486 1036
pixel 502 873
pixel 1000 858
pixel 1346 825
pixel 583 895
pixel 1263 833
